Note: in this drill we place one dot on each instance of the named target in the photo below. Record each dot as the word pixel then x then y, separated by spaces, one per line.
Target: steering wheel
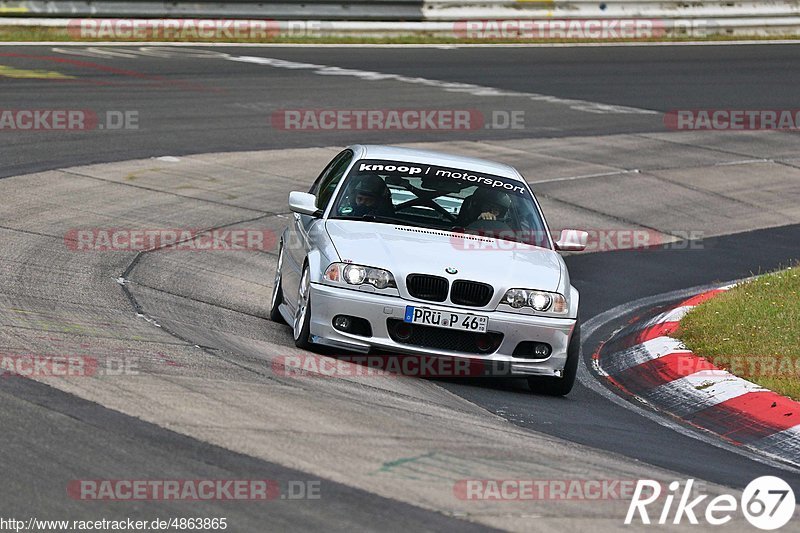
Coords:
pixel 426 202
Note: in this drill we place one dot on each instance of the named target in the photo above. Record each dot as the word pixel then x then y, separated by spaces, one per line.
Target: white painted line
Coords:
pixel 587 176
pixel 743 162
pixel 457 87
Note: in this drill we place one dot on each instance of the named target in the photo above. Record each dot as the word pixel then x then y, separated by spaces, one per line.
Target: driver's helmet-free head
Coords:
pixel 371 186
pixel 370 195
pixel 490 199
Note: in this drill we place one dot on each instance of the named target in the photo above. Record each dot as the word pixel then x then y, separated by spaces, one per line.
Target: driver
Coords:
pixel 484 204
pixel 371 197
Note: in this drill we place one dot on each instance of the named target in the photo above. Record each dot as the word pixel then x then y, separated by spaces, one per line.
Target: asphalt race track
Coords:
pixel 206 152
pixel 207 105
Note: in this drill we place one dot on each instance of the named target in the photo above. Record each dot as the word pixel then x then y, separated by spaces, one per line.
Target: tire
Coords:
pixel 553 386
pixel 277 292
pixel 301 327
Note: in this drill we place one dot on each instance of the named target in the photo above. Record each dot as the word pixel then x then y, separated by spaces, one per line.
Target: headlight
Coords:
pixel 359 275
pixel 380 278
pixel 355 274
pixel 515 298
pixel 540 301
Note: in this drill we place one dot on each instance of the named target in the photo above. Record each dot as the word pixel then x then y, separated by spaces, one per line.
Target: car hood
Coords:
pixel 405 250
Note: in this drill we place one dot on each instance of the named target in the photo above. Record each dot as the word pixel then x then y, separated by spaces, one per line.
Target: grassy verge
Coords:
pixel 753 331
pixel 34 34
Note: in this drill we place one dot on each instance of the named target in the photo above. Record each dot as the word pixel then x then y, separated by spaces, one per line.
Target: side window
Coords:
pixel 326 183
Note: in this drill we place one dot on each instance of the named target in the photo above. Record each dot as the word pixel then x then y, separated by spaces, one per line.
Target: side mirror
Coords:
pixel 572 240
pixel 304 203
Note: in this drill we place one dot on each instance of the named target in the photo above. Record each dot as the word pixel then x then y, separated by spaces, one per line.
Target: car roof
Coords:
pixel 430 157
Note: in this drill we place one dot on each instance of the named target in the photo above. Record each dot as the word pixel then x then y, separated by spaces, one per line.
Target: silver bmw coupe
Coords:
pixel 416 252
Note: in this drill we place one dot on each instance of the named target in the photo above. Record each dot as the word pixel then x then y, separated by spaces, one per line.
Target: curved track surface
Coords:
pixel 594 148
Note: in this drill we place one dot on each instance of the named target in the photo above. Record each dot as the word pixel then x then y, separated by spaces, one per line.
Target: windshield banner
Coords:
pixel 417 170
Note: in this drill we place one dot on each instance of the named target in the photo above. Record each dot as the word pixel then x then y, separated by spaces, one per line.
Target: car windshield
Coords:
pixel 441 198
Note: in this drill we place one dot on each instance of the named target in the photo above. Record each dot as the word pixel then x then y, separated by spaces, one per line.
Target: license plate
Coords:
pixel 446 319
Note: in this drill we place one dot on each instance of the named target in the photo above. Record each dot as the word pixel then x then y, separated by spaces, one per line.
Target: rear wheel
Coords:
pixel 301 328
pixel 553 386
pixel 277 292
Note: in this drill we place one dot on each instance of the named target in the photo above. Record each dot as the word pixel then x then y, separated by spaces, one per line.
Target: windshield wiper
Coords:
pixel 390 220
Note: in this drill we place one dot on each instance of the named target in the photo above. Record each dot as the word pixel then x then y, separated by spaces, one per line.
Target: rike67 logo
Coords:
pixel 767 502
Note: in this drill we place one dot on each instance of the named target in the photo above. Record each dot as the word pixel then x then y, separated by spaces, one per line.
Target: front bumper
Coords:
pixel 327 302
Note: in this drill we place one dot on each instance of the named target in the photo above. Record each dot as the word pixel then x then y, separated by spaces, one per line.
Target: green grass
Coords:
pixel 753 331
pixel 34 34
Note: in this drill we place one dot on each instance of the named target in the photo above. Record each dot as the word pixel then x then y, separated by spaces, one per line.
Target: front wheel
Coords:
pixel 301 327
pixel 553 386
